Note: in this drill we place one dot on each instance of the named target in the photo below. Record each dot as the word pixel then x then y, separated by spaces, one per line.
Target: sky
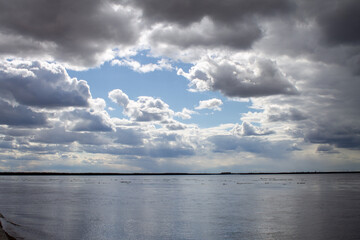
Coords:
pixel 179 86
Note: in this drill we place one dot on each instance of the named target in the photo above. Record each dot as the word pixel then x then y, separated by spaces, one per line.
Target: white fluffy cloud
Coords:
pixel 247 129
pixel 119 97
pixel 185 113
pixel 143 68
pixel 144 109
pixel 213 103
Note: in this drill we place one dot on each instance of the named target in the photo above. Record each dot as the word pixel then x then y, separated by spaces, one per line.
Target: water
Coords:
pixel 182 207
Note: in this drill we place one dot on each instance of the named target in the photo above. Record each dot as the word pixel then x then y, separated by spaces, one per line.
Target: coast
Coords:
pixel 3 234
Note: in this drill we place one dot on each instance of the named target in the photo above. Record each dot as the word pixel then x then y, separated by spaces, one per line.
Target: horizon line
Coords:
pixel 174 173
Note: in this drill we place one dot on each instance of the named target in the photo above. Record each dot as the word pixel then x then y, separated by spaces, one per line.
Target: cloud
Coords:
pixel 187 12
pixel 341 136
pixel 139 142
pixel 326 36
pixel 84 120
pixel 144 109
pixel 129 136
pixel 207 33
pixel 297 63
pixel 247 129
pixel 338 22
pixel 92 119
pixel 149 109
pixel 19 115
pixel 185 113
pixel 326 149
pixel 326 112
pixel 174 126
pixel 41 84
pixel 78 34
pixel 143 68
pixel 213 103
pixel 280 114
pixel 168 151
pixel 252 78
pixel 258 146
pixel 154 151
pixel 119 97
pixel 31 91
pixel 59 135
pixel 15 132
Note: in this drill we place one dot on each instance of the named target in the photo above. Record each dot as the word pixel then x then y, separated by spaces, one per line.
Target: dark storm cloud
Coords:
pixel 20 116
pixel 204 23
pixel 41 85
pixel 188 11
pixel 341 136
pixel 77 32
pixel 231 24
pixel 339 22
pixel 209 34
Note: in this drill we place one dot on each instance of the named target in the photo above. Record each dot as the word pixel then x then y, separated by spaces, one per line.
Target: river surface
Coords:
pixel 304 206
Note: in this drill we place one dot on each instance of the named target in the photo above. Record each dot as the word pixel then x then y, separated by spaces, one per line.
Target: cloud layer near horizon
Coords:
pixel 296 62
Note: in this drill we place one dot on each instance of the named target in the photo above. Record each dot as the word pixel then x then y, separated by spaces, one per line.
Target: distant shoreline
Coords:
pixel 168 173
